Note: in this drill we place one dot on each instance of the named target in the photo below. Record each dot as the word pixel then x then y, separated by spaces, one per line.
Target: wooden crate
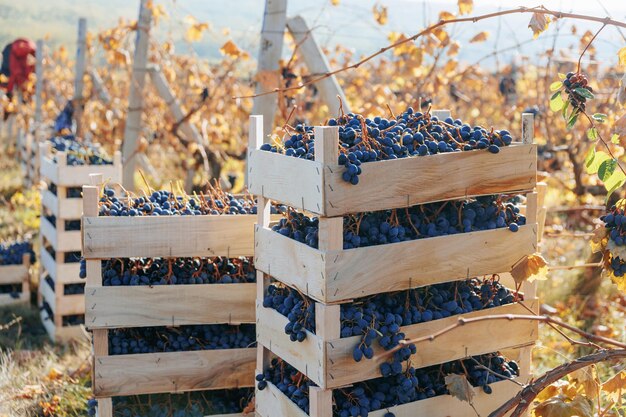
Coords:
pixel 61 240
pixel 329 363
pixel 331 275
pixel 60 205
pixel 57 268
pixel 57 332
pixel 319 188
pixel 74 176
pixel 141 306
pixel 271 402
pixel 16 275
pixel 60 303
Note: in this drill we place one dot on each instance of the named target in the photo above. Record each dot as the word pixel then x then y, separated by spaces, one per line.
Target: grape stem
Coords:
pixel 540 10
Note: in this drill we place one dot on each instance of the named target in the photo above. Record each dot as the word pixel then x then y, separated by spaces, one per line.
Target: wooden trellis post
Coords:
pixel 81 54
pixel 135 101
pixel 317 64
pixel 268 75
pixel 38 84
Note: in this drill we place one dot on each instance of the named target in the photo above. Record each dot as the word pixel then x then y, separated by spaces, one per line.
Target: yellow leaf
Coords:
pixel 233 51
pixel 334 2
pixel 587 380
pixel 380 14
pixel 158 11
pixel 465 6
pixel 561 406
pixel 527 267
pixel 54 374
pixel 480 37
pixel 454 48
pixel 538 23
pixel 445 15
pixel 195 30
pixel 599 239
pixel 616 385
pixel 622 56
pixel 442 35
pixel 450 66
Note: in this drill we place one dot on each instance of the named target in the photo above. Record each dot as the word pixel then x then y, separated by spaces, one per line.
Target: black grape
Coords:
pixel 12 253
pixel 79 153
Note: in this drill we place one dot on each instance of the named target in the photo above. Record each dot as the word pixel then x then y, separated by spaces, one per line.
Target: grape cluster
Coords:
pixel 416 222
pixel 408 135
pixel 69 225
pixel 411 385
pixel 615 223
pixel 577 89
pixel 166 203
pixel 79 153
pixel 177 271
pixel 189 404
pixel 183 338
pixel 12 253
pixel 71 192
pixel 380 317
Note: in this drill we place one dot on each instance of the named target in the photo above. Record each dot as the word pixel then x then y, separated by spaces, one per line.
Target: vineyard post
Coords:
pixel 81 54
pixel 268 74
pixel 317 63
pixel 38 86
pixel 135 100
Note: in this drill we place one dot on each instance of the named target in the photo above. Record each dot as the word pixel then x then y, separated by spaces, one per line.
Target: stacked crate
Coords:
pixel 112 307
pixel 60 248
pixel 331 275
pixel 16 276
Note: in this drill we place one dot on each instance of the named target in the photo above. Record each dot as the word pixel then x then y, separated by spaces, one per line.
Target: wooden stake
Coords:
pixel 81 54
pixel 38 84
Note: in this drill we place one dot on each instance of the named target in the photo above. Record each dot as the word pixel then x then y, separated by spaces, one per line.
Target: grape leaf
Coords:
pixel 232 50
pixel 465 6
pixel 561 406
pixel 606 169
pixel 614 182
pixel 538 23
pixel 587 379
pixel 583 92
pixel 531 266
pixel 195 29
pixel 615 139
pixel 592 134
pixel 616 385
pixel 599 117
pixel 443 15
pixel 556 86
pixel 572 119
pixel 621 54
pixel 459 387
pixel 594 163
pixel 480 37
pixel 556 102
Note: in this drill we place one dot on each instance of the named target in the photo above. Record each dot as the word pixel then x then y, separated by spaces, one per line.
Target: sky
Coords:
pixel 351 23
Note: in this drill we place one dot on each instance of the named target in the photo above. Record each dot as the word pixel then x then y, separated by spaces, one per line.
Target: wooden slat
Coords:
pixel 410 181
pixel 66 208
pixel 173 372
pixel 139 306
pixel 286 179
pixel 48 294
pixel 298 265
pixel 271 402
pixel 168 236
pixel 76 176
pixel 306 356
pixel 13 274
pixel 61 240
pixel 456 344
pixel 59 271
pixel 358 272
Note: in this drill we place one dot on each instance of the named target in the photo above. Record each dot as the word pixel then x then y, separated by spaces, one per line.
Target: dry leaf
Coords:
pixel 539 23
pixel 28 392
pixel 334 2
pixel 233 51
pixel 380 14
pixel 454 48
pixel 480 37
pixel 195 30
pixel 615 386
pixel 445 15
pixel 466 6
pixel 599 239
pixel 529 266
pixel 621 93
pixel 587 379
pixel 621 54
pixel 459 387
pixel 561 406
pixel 54 374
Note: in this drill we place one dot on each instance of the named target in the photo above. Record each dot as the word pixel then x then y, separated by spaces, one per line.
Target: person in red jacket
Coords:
pixel 20 65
